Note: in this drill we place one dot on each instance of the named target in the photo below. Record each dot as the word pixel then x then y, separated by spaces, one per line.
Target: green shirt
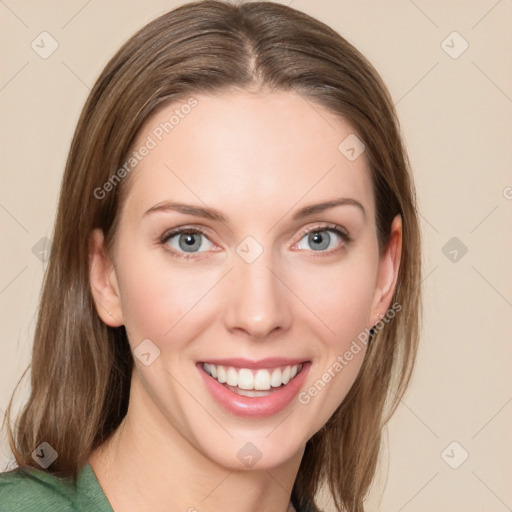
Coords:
pixel 34 490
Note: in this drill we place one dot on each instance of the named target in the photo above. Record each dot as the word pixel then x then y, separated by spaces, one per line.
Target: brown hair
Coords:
pixel 81 368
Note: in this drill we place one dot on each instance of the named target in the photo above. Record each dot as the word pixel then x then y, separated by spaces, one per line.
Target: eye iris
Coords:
pixel 188 241
pixel 317 238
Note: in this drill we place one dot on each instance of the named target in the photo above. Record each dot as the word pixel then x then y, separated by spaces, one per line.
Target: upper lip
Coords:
pixel 269 362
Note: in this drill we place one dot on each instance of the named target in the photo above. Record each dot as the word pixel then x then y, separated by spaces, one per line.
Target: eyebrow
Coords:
pixel 217 215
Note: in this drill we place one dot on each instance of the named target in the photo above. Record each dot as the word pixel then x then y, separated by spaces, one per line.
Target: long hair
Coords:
pixel 81 368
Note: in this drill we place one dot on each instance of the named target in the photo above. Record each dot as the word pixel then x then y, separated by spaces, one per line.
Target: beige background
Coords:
pixel 456 115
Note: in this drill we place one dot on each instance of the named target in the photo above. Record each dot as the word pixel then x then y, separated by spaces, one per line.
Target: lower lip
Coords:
pixel 255 407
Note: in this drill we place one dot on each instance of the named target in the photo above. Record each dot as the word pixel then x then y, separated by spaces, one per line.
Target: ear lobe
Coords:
pixel 103 280
pixel 389 265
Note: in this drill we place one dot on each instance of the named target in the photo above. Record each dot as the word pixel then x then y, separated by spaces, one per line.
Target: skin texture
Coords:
pixel 258 158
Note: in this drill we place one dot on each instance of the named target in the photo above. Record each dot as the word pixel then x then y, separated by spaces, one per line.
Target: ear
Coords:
pixel 103 280
pixel 388 272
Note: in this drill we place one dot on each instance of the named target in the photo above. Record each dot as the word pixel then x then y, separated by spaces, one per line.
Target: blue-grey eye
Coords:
pixel 320 239
pixel 188 241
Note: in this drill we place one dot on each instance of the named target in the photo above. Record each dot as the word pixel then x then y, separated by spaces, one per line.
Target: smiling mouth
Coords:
pixel 252 382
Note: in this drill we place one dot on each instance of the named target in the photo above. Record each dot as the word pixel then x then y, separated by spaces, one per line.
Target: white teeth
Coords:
pixel 276 379
pixel 250 392
pixel 221 374
pixel 262 380
pixel 232 377
pixel 259 380
pixel 245 379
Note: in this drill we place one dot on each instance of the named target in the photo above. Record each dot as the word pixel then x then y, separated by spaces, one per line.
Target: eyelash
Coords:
pixel 347 239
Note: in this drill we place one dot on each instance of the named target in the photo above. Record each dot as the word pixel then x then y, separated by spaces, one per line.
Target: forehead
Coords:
pixel 237 151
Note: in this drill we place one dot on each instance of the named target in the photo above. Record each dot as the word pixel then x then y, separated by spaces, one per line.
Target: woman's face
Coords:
pixel 257 286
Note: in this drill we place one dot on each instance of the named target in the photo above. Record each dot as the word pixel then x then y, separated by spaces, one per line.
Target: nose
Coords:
pixel 258 304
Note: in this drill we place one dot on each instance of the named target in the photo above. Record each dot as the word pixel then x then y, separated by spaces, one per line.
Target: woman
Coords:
pixel 231 309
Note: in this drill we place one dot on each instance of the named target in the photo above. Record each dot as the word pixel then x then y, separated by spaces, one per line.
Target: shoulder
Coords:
pixel 30 489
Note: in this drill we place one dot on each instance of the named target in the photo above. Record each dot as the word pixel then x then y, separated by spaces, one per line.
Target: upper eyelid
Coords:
pixel 328 226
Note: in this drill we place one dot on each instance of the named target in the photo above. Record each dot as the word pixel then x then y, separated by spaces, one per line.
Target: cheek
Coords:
pixel 339 295
pixel 157 294
pixel 343 307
